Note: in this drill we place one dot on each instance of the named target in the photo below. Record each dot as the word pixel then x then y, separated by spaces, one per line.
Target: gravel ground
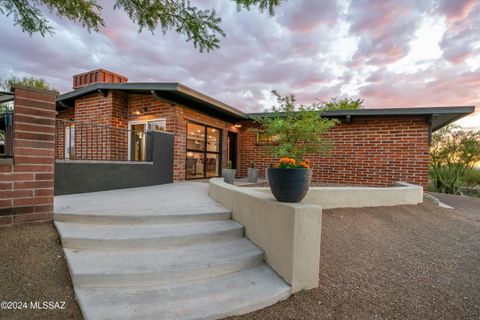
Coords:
pixel 468 206
pixel 405 262
pixel 33 268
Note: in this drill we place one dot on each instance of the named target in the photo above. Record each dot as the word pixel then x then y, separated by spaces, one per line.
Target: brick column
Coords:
pixel 26 181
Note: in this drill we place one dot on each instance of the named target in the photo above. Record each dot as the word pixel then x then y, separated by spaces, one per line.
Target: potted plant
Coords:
pixel 252 173
pixel 229 173
pixel 296 131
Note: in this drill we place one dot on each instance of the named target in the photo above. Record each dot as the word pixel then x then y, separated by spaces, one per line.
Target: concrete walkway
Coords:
pixel 175 198
pixel 161 252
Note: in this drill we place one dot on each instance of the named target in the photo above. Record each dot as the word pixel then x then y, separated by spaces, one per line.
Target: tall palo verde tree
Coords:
pixel 201 26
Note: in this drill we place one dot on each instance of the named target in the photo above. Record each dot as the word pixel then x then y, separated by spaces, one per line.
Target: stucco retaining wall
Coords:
pixel 289 233
pixel 357 197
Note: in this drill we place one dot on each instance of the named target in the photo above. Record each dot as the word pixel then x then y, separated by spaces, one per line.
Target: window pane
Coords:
pixel 212 165
pixel 195 136
pixel 263 138
pixel 137 142
pixel 157 125
pixel 195 165
pixel 213 140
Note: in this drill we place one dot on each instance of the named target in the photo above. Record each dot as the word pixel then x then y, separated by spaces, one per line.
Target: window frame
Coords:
pixel 270 142
pixel 129 131
pixel 205 151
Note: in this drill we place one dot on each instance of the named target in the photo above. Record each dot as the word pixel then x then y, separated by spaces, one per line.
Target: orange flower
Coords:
pixel 304 164
pixel 290 161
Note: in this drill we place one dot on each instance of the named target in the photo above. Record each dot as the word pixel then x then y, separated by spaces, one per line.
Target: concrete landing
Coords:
pixel 168 199
pixel 162 252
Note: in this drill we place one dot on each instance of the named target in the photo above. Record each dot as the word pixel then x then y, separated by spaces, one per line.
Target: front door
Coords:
pixel 232 148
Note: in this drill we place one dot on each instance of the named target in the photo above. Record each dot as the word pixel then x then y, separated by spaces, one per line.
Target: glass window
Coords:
pixel 212 166
pixel 70 142
pixel 137 142
pixel 213 140
pixel 157 125
pixel 203 151
pixel 263 138
pixel 195 136
pixel 194 166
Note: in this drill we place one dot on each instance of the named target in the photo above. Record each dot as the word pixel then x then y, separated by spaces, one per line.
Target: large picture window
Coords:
pixel 203 151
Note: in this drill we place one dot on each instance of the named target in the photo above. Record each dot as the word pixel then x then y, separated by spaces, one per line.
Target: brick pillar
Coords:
pixel 26 181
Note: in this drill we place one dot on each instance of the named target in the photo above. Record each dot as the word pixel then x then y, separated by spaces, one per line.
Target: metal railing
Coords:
pixel 6 135
pixel 77 140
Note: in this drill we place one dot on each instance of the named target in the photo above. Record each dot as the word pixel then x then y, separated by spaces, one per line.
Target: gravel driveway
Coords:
pixel 404 262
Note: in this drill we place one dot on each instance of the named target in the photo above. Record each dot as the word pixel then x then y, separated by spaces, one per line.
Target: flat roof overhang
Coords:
pixel 172 91
pixel 6 96
pixel 178 93
pixel 438 116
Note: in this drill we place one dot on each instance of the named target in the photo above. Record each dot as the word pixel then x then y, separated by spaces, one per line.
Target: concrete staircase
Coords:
pixel 174 266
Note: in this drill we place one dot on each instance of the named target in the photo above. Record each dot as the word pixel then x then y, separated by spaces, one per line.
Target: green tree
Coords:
pixel 342 104
pixel 297 130
pixel 6 85
pixel 200 26
pixel 453 154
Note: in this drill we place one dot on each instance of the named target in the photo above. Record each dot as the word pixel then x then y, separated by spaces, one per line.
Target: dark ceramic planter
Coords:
pixel 289 185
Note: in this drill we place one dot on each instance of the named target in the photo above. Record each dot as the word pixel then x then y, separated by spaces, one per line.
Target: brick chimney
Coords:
pixel 97 76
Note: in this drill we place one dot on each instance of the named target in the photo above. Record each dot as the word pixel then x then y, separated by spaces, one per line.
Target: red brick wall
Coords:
pixel 176 117
pixel 117 109
pixel 92 140
pixel 26 183
pixel 370 151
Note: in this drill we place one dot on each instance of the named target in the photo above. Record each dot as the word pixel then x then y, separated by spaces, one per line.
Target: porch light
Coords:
pixel 237 125
pixel 141 110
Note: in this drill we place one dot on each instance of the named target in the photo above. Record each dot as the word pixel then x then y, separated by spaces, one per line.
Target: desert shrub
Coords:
pixel 473 179
pixel 453 154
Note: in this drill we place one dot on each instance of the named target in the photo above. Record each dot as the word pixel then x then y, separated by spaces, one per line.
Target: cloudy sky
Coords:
pixel 398 53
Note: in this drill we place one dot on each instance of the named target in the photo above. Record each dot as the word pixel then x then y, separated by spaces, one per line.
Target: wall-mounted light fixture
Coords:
pixel 237 125
pixel 141 110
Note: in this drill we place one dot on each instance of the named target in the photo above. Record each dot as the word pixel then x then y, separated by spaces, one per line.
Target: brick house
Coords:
pixel 373 147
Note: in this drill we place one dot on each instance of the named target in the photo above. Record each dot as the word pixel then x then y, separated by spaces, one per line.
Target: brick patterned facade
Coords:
pixel 26 181
pixel 371 151
pixel 176 117
pixel 117 109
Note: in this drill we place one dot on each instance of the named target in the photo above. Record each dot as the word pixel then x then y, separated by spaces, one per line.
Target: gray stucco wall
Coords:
pixel 89 176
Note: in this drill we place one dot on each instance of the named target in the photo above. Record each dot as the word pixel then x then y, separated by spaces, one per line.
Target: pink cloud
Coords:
pixel 456 10
pixel 306 16
pixel 384 28
pixel 295 52
pixel 463 30
pixel 448 87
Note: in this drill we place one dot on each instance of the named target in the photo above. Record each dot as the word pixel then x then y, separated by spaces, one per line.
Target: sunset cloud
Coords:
pixel 390 53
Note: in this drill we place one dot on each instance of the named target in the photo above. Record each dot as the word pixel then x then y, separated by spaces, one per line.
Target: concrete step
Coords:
pixel 93 218
pixel 93 236
pixel 213 298
pixel 115 267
